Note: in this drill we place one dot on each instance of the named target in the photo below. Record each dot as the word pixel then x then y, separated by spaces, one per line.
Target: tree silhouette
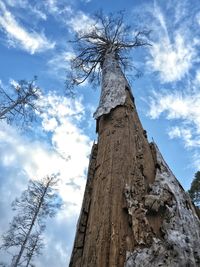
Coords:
pixel 20 104
pixel 109 34
pixel 195 189
pixel 36 203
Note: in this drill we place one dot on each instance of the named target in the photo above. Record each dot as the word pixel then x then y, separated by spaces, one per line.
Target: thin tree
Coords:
pixel 34 247
pixel 20 103
pixel 36 203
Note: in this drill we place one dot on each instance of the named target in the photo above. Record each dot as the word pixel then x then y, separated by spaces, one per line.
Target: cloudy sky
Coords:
pixel 34 40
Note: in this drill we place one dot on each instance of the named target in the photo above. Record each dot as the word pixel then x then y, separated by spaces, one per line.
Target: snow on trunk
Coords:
pixel 179 242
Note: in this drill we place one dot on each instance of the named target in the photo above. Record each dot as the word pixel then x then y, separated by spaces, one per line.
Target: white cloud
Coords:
pixel 81 22
pixel 172 54
pixel 182 109
pixel 65 150
pixel 68 145
pixel 38 13
pixel 25 4
pixel 14 83
pixel 172 59
pixel 58 8
pixel 186 134
pixel 60 63
pixel 19 36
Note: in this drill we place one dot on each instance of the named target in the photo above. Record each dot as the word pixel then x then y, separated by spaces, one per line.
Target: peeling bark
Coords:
pixel 179 240
pixel 113 91
pixel 124 158
pixel 134 213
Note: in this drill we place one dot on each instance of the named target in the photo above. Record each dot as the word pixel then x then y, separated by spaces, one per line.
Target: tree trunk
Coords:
pixel 32 252
pixel 134 213
pixel 17 261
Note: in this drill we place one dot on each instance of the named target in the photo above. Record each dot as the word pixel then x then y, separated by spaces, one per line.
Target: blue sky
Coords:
pixel 34 40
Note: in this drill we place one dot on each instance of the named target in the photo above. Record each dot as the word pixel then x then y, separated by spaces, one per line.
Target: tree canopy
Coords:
pixel 33 207
pixel 19 104
pixel 194 191
pixel 108 34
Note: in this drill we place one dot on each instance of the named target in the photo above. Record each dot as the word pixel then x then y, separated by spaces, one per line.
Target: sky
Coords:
pixel 35 40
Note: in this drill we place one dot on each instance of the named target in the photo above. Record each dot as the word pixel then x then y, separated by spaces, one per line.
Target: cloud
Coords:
pixel 18 36
pixel 60 63
pixel 80 22
pixel 58 8
pixel 64 149
pixel 186 134
pixel 181 108
pixel 176 105
pixel 173 52
pixel 172 60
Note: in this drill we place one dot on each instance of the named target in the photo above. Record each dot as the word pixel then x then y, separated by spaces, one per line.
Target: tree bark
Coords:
pixel 135 212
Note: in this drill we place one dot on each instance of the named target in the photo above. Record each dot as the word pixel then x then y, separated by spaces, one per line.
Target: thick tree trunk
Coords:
pixel 134 212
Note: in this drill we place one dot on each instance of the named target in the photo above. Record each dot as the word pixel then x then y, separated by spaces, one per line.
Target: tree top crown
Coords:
pixel 109 34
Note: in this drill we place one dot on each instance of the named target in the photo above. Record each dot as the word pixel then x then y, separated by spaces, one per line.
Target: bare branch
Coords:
pixel 109 34
pixel 36 203
pixel 20 104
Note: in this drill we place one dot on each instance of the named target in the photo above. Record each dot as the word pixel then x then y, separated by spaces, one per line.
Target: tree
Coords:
pixel 34 247
pixel 195 189
pixel 134 212
pixel 109 35
pixel 36 203
pixel 20 103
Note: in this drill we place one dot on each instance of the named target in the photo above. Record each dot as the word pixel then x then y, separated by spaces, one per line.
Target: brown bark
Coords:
pixel 134 213
pixel 124 168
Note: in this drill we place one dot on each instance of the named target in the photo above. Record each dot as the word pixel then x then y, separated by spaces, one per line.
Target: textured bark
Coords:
pixel 113 86
pixel 134 211
pixel 83 218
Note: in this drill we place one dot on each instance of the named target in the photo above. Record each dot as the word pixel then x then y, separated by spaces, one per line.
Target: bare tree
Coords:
pixel 34 247
pixel 20 103
pixel 107 35
pixel 36 203
pixel 134 212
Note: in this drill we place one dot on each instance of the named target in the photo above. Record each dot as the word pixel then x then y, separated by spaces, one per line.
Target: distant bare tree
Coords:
pixel 19 105
pixel 36 203
pixel 108 35
pixel 34 247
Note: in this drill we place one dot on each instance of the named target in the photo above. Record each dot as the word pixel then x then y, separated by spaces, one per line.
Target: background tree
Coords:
pixel 20 103
pixel 194 191
pixel 36 203
pixel 34 247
